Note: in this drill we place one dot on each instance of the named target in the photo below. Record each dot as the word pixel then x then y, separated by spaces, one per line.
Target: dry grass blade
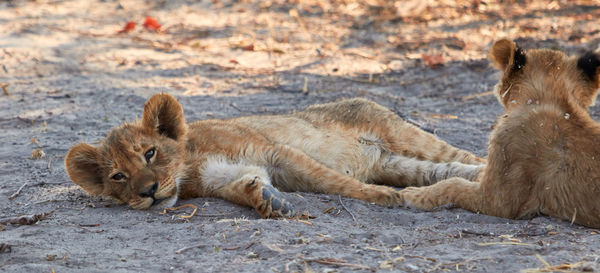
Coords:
pixel 557 268
pixel 440 116
pixel 470 97
pixel 305 222
pixel 183 216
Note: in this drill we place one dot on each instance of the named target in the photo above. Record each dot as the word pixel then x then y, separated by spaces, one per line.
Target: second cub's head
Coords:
pixel 532 76
pixel 137 163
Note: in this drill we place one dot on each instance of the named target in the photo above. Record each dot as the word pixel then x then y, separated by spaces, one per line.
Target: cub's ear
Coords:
pixel 589 63
pixel 505 53
pixel 82 164
pixel 164 114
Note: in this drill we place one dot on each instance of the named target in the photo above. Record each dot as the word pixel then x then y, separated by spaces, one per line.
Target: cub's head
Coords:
pixel 137 163
pixel 542 74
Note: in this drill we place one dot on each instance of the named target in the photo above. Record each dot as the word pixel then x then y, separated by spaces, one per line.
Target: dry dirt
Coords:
pixel 68 76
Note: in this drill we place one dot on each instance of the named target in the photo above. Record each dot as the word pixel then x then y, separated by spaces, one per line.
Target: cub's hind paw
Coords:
pixel 417 198
pixel 384 196
pixel 273 203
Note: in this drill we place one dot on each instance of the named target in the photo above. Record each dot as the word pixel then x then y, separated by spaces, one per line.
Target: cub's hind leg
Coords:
pixel 292 170
pixel 401 171
pixel 246 185
pixel 399 136
pixel 461 192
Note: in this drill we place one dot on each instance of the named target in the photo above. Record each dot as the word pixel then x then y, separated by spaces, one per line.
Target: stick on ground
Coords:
pixel 25 219
pixel 341 203
pixel 18 191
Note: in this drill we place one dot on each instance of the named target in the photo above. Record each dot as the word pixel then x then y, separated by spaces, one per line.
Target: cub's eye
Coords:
pixel 150 154
pixel 118 176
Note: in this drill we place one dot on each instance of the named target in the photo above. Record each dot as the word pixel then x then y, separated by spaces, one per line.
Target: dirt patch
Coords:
pixel 68 76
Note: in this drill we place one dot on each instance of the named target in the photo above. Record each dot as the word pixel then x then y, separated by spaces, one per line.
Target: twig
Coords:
pixel 231 248
pixel 338 262
pixel 236 107
pixel 179 251
pixel 466 231
pixel 18 191
pixel 250 244
pixel 5 248
pixel 50 161
pixel 84 228
pixel 503 243
pixel 48 200
pixel 25 219
pixel 343 206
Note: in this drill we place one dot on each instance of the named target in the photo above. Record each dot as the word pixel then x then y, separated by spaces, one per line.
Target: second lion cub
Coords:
pixel 543 155
pixel 336 148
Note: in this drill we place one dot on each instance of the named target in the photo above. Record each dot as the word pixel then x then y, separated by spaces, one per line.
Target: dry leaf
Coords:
pixel 433 61
pixel 128 27
pixel 151 24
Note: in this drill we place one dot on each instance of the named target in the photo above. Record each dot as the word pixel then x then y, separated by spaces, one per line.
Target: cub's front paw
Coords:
pixel 272 203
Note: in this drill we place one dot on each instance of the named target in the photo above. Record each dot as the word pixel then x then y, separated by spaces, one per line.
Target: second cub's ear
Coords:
pixel 164 114
pixel 589 64
pixel 505 53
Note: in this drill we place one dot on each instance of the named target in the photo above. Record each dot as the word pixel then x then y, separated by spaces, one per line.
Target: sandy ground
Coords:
pixel 69 76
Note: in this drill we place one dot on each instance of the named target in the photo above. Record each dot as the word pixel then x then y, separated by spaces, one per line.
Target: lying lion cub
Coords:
pixel 544 153
pixel 335 148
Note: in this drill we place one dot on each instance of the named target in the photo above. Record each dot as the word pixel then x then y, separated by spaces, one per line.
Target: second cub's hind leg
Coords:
pixel 401 171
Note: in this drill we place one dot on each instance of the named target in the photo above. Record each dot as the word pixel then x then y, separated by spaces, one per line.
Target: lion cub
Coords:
pixel 544 152
pixel 336 148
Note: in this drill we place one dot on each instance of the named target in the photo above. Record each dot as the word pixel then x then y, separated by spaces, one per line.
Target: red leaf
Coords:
pixel 128 27
pixel 151 24
pixel 433 60
pixel 233 61
pixel 249 47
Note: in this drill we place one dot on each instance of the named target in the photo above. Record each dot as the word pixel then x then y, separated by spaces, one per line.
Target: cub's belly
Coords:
pixel 343 149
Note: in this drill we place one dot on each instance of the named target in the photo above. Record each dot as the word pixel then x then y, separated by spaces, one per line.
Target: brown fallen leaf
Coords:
pixel 434 60
pixel 37 154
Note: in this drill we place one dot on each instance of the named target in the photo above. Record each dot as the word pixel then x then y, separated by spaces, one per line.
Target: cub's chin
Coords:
pixel 164 203
pixel 152 203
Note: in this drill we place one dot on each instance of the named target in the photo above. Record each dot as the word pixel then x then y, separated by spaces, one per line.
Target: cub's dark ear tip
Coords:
pixel 588 63
pixel 519 59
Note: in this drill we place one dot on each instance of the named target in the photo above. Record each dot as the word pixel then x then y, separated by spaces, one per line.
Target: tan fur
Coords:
pixel 337 148
pixel 543 155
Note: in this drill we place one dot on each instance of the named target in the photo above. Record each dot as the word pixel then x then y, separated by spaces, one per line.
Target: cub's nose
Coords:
pixel 149 191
